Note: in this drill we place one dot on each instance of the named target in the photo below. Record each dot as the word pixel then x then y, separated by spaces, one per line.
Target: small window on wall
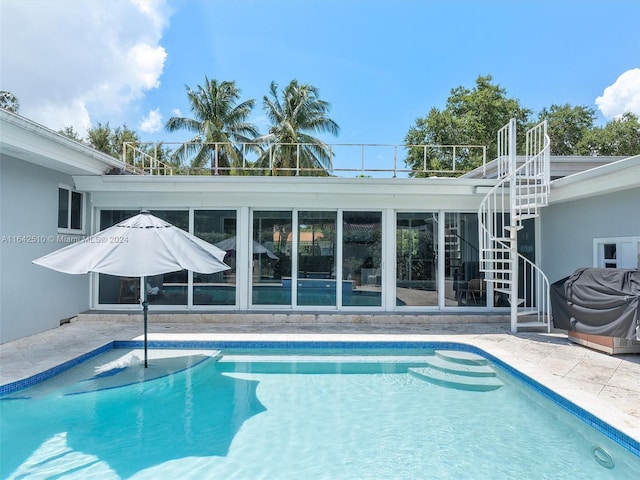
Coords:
pixel 617 252
pixel 70 208
pixel 609 255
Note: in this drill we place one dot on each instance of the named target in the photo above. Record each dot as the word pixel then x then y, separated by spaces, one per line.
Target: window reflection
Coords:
pixel 464 283
pixel 316 258
pixel 217 227
pixel 271 258
pixel 416 255
pixel 361 259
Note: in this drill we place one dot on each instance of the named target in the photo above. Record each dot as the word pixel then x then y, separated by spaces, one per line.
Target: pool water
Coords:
pixel 281 414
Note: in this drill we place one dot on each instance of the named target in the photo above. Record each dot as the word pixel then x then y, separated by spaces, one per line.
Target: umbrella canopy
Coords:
pixel 230 244
pixel 140 246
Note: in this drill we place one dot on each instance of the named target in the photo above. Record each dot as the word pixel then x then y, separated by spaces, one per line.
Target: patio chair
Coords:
pixel 477 290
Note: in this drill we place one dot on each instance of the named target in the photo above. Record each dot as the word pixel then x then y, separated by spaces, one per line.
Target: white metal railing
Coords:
pixel 142 162
pixel 518 195
pixel 532 179
pixel 342 159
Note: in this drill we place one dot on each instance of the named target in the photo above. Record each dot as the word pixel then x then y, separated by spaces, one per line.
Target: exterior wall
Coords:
pixel 568 229
pixel 33 298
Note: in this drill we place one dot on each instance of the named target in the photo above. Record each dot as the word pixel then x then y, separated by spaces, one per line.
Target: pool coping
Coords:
pixel 626 441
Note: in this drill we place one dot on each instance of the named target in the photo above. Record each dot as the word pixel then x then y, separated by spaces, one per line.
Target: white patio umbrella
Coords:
pixel 230 244
pixel 140 246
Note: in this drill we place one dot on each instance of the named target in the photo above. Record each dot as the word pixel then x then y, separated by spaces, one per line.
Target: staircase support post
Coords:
pixel 513 227
pixel 513 294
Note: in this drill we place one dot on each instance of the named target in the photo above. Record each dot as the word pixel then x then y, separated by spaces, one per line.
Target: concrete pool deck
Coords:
pixel 604 385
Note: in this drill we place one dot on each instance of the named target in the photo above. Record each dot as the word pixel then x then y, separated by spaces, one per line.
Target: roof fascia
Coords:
pixel 616 176
pixel 29 141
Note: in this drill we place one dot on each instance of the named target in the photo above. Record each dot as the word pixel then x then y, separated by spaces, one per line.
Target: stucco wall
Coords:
pixel 568 229
pixel 33 298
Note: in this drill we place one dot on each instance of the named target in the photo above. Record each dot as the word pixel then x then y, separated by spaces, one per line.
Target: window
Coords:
pixel 464 283
pixel 416 254
pixel 70 208
pixel 218 227
pixel 316 258
pixel 616 252
pixel 362 276
pixel 271 254
pixel 164 289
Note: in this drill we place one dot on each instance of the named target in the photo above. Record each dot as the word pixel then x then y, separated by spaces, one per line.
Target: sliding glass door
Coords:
pixel 416 254
pixel 271 252
pixel 316 282
pixel 362 259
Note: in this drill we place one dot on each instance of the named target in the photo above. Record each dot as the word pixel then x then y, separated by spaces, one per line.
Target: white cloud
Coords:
pixel 67 61
pixel 621 97
pixel 152 122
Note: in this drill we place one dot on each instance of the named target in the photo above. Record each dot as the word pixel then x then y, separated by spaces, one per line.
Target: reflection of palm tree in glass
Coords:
pixel 293 112
pixel 218 122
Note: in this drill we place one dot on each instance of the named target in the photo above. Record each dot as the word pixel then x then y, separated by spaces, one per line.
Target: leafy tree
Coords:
pixel 620 136
pixel 218 117
pixel 294 113
pixel 99 137
pixel 70 132
pixel 470 117
pixel 111 140
pixel 9 102
pixel 566 126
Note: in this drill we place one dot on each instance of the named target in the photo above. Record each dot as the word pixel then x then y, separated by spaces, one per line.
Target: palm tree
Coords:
pixel 219 124
pixel 299 110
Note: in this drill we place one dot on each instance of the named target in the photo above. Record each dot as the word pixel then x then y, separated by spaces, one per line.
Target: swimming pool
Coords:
pixel 273 410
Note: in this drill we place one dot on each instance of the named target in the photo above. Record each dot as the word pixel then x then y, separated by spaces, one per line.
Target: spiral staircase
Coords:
pixel 521 191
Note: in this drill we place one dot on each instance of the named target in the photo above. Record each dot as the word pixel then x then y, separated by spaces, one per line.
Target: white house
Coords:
pixel 301 245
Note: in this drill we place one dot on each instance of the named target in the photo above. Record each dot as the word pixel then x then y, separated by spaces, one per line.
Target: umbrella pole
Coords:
pixel 145 309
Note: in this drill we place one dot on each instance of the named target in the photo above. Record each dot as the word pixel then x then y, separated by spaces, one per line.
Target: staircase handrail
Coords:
pixel 505 201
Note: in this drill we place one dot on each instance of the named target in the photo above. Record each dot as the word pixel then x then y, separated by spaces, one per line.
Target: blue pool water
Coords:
pixel 281 413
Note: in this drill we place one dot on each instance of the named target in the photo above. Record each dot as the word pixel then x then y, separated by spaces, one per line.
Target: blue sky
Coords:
pixel 381 64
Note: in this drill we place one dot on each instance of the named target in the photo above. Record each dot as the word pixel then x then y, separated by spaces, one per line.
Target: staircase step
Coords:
pixel 532 188
pixel 501 239
pixel 530 206
pixel 464 358
pixel 530 177
pixel 509 228
pixel 527 216
pixel 533 324
pixel 502 290
pixel 459 382
pixel 457 368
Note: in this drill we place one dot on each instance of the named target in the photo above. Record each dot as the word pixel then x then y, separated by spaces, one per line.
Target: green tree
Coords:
pixel 620 136
pixel 294 113
pixel 566 126
pixel 111 140
pixel 470 117
pixel 70 132
pixel 218 117
pixel 9 102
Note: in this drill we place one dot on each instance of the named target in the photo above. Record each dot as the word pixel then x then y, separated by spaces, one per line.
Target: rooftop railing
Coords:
pixel 298 159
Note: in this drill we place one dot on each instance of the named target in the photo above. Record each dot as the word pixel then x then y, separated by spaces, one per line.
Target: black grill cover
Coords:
pixel 598 301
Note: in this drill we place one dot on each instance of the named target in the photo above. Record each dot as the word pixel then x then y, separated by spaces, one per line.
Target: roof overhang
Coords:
pixel 25 140
pixel 111 191
pixel 613 177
